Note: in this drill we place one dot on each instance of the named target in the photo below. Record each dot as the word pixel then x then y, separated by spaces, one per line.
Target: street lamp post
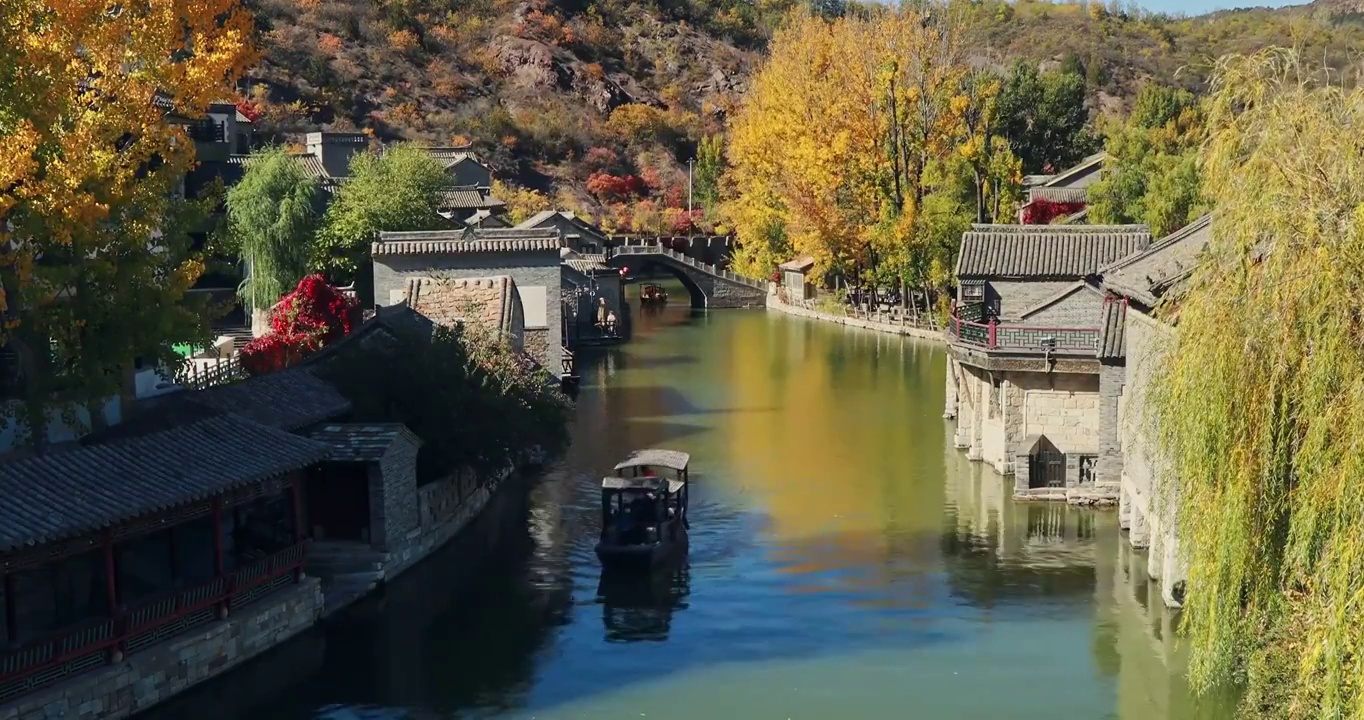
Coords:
pixel 689 184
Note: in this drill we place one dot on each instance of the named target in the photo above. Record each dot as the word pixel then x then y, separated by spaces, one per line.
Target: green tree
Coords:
pixel 710 165
pixel 95 256
pixel 1152 173
pixel 394 191
pixel 1261 400
pixel 1043 116
pixel 271 216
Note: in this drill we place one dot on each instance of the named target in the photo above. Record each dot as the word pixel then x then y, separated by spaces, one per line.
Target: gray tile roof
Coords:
pixel 312 166
pixel 1148 276
pixel 800 264
pixel 363 442
pixel 381 329
pixel 1113 333
pixel 1046 251
pixel 1065 177
pixel 1058 194
pixel 289 399
pixel 468 240
pixel 589 264
pixel 486 219
pixel 65 494
pixel 466 198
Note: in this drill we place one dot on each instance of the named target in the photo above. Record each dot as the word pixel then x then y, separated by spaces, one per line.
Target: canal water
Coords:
pixel 846 562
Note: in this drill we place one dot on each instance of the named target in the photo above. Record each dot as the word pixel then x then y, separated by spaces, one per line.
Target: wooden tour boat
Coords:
pixel 653 295
pixel 644 516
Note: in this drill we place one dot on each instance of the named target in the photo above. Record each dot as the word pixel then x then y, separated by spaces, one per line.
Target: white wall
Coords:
pixel 58 430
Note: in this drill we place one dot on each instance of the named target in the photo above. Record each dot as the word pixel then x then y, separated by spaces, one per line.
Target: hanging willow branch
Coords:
pixel 272 216
pixel 1262 408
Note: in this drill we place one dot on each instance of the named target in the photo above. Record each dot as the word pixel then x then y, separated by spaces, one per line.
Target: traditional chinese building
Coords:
pixel 529 257
pixel 112 553
pixel 1023 342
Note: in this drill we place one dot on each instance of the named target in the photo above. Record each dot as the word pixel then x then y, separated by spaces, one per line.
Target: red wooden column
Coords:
pixel 218 564
pixel 992 333
pixel 11 616
pixel 111 585
pixel 296 486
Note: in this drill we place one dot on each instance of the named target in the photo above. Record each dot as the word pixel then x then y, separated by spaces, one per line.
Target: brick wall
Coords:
pixel 1082 308
pixel 154 675
pixel 529 269
pixel 1017 296
pixel 399 495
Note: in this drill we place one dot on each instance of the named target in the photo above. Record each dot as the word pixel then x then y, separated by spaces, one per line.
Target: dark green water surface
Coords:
pixel 846 563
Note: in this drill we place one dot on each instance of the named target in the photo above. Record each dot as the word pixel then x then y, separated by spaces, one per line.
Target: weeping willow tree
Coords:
pixel 1262 407
pixel 272 215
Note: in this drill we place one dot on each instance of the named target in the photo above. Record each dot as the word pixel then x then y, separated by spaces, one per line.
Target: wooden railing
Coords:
pixel 993 336
pixel 73 650
pixel 569 364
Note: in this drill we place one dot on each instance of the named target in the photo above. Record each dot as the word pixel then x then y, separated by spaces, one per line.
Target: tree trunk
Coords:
pixel 260 323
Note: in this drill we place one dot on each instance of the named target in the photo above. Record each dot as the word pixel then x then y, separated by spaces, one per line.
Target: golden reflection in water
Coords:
pixel 847 464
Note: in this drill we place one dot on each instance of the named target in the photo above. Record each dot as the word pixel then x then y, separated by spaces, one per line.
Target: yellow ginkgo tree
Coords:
pixel 94 256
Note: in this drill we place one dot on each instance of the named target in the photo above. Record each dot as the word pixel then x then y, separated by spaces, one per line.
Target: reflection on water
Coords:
pixel 635 608
pixel 845 561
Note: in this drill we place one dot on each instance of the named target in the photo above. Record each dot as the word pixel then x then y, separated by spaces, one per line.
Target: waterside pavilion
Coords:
pixel 111 553
pixel 1023 381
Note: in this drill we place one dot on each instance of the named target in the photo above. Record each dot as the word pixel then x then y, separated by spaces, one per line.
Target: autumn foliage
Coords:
pixel 1045 212
pixel 614 188
pixel 304 321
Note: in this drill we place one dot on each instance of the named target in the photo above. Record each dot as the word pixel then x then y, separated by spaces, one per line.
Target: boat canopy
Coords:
pixel 641 483
pixel 671 459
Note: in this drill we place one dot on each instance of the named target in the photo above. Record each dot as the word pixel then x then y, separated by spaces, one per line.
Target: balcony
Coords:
pixel 1023 338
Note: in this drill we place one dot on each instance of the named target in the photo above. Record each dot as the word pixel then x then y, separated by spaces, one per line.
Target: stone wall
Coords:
pixel 439 501
pixel 1064 407
pixel 439 531
pixel 1148 506
pixel 540 345
pixel 528 270
pixel 149 677
pixel 1082 308
pixel 1016 296
pixel 397 497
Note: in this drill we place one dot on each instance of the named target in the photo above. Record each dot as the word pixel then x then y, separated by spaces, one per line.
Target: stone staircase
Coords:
pixel 348 569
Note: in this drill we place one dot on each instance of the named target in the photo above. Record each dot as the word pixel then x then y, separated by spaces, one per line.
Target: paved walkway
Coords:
pixel 775 303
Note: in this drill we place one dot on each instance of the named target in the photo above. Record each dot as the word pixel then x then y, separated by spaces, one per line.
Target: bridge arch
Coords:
pixel 697 296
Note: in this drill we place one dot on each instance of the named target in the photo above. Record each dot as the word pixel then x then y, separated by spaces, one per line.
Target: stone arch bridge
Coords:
pixel 709 286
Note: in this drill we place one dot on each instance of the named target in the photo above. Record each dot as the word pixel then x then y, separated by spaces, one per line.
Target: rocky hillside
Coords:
pixel 539 85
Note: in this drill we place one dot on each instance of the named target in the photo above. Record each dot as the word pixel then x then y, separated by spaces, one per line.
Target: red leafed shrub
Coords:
pixel 674 197
pixel 601 160
pixel 1044 212
pixel 608 187
pixel 248 109
pixel 311 317
pixel 684 223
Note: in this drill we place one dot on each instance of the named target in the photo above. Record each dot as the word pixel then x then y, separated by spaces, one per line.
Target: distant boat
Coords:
pixel 644 516
pixel 652 295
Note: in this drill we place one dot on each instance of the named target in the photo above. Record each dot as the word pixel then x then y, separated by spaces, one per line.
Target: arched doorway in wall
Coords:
pixel 1046 465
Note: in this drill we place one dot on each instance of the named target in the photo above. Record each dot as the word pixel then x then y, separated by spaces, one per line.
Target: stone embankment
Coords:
pixel 774 302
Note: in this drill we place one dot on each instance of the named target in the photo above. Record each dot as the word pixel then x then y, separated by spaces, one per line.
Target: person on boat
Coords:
pixel 610 321
pixel 601 312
